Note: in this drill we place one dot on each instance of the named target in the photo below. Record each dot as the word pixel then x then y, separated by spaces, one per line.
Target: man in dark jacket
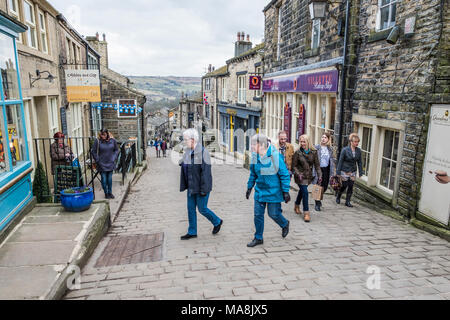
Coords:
pixel 196 178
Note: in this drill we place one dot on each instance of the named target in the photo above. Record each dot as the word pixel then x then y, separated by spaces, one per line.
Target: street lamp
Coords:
pixel 317 9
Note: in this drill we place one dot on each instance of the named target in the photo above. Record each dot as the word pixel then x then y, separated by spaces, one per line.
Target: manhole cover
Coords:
pixel 132 249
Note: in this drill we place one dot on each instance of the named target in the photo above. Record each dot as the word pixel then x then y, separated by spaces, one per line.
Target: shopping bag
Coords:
pixel 317 192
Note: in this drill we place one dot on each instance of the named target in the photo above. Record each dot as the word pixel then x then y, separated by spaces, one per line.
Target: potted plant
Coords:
pixel 77 199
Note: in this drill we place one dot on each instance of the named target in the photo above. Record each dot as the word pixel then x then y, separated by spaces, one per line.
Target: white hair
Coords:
pixel 260 139
pixel 191 134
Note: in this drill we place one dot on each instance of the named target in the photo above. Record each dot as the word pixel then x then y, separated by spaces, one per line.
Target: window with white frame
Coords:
pixel 315 41
pixel 380 147
pixel 208 84
pixel 224 89
pixel 30 21
pixel 13 7
pixel 77 127
pixel 43 31
pixel 242 89
pixel 53 116
pixel 387 10
pixel 389 159
pixel 366 148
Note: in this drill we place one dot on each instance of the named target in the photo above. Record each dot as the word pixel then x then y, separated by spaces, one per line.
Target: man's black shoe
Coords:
pixel 217 228
pixel 254 243
pixel 285 231
pixel 111 196
pixel 348 204
pixel 188 236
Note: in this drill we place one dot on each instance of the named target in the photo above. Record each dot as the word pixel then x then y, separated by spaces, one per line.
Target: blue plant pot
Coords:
pixel 77 202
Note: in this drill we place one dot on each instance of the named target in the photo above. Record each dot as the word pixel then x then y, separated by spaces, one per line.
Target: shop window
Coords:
pixel 315 34
pixel 15 134
pixel 366 147
pixel 242 89
pixel 8 68
pixel 387 10
pixel 43 31
pixel 389 159
pixel 321 116
pixel 30 21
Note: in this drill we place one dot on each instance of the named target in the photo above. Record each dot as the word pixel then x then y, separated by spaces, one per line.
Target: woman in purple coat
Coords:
pixel 105 152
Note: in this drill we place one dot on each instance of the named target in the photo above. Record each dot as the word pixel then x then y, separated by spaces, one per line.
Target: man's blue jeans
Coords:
pixel 196 201
pixel 107 181
pixel 275 212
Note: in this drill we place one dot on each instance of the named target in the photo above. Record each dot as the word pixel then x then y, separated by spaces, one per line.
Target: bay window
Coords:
pixel 10 81
pixel 381 145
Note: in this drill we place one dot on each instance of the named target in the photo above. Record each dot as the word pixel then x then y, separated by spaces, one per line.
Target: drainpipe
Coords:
pixel 343 79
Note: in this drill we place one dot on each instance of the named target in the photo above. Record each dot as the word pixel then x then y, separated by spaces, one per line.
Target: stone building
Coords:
pixel 302 67
pixel 117 91
pixel 401 106
pixel 38 55
pixel 190 112
pixel 236 107
pixel 78 119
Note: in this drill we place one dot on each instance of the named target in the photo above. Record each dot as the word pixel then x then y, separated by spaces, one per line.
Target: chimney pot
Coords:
pixel 238 36
pixel 97 36
pixel 104 37
pixel 243 36
pixel 248 38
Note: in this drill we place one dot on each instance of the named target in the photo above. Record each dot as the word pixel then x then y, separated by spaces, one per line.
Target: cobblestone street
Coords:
pixel 326 259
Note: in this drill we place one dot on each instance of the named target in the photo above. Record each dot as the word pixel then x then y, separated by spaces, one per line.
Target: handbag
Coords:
pixel 317 192
pixel 335 183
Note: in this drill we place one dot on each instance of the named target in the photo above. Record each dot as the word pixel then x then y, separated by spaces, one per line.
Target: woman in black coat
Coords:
pixel 349 162
pixel 196 178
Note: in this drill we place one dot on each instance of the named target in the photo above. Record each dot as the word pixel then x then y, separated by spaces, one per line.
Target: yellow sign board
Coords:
pixel 83 85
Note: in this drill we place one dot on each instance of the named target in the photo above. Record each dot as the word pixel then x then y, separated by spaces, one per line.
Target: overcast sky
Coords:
pixel 166 37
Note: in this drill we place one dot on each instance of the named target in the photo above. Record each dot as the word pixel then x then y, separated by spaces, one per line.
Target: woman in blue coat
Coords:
pixel 271 180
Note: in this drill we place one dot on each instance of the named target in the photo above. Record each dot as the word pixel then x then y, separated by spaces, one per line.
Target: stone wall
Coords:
pixel 122 129
pixel 400 82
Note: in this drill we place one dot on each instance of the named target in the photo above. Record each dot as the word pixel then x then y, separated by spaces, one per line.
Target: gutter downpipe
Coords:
pixel 343 79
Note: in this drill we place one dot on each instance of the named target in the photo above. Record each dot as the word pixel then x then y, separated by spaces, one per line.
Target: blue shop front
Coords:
pixel 237 125
pixel 15 164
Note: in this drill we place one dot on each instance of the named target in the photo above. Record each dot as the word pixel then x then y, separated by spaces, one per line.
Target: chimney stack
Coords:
pixel 241 45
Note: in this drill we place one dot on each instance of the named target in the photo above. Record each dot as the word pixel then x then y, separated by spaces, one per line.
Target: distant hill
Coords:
pixel 166 88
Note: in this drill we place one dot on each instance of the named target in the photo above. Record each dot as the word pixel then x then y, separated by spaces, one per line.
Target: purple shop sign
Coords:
pixel 326 81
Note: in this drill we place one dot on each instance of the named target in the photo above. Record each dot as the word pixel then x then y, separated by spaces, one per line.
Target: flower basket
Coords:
pixel 77 199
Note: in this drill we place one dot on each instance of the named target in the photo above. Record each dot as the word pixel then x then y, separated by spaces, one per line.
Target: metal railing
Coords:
pixel 127 159
pixel 66 165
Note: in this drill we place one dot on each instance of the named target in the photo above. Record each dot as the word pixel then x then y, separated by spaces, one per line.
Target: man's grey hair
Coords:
pixel 191 134
pixel 260 139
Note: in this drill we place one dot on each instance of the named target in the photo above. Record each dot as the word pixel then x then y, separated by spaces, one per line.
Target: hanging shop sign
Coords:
pixel 83 85
pixel 255 83
pixel 435 200
pixel 126 109
pixel 326 81
pixel 122 108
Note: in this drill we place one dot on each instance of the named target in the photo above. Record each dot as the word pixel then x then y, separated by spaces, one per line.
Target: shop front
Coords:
pixel 237 125
pixel 15 164
pixel 301 103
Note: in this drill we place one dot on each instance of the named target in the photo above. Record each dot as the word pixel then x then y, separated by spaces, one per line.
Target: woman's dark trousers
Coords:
pixel 349 186
pixel 324 185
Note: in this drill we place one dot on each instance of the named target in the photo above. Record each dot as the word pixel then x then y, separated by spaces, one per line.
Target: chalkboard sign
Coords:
pixel 67 177
pixel 63 120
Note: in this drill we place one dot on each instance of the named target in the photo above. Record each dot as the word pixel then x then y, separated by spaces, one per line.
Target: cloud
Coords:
pixel 171 37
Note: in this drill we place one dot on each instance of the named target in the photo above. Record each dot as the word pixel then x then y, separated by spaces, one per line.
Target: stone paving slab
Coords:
pixel 333 257
pixel 34 258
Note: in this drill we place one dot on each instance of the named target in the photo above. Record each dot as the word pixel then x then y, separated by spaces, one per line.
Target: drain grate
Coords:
pixel 124 250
